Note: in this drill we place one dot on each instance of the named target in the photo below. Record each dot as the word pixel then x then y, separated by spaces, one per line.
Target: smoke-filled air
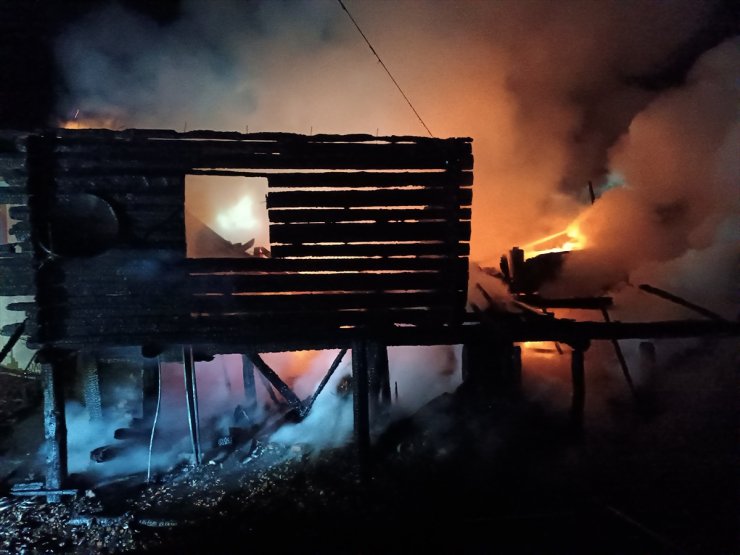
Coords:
pixel 554 94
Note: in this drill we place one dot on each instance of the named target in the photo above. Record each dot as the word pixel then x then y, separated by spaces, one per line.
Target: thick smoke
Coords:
pixel 554 94
pixel 544 88
pixel 674 221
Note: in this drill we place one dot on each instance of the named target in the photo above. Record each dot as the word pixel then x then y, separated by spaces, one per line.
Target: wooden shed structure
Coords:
pixel 365 232
pixel 368 239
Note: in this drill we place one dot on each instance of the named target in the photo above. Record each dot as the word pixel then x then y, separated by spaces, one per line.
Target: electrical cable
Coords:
pixel 406 98
pixel 154 422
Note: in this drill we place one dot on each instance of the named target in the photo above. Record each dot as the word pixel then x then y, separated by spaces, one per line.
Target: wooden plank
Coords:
pixel 144 135
pixel 436 248
pixel 217 329
pixel 360 281
pixel 21 230
pixel 369 179
pixel 235 265
pixel 140 184
pixel 16 275
pixel 376 231
pixel 359 199
pixel 319 215
pixel 79 283
pixel 18 212
pixel 182 155
pixel 227 304
pixel 162 265
pixel 12 161
pixel 13 195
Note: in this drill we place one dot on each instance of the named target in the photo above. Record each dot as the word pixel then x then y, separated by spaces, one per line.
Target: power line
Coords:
pixel 406 98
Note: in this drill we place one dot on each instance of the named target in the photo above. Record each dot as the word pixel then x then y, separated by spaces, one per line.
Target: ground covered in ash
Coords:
pixel 468 473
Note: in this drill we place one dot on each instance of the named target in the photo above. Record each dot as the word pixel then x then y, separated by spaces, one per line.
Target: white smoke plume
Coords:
pixel 675 221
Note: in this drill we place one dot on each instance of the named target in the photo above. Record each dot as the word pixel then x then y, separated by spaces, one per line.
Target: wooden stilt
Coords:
pixel 492 366
pixel 191 396
pixel 578 398
pixel 360 390
pixel 87 364
pixel 250 388
pixel 379 378
pixel 55 427
pixel 150 388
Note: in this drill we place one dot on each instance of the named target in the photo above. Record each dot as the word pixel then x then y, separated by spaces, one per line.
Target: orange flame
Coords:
pixel 570 239
pixel 80 121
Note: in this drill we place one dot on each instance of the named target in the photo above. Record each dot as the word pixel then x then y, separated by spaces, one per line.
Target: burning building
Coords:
pixel 115 271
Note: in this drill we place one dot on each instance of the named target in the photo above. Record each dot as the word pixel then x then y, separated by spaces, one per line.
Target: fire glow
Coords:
pixel 570 239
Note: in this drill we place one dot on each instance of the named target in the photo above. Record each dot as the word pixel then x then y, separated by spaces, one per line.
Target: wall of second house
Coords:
pixel 20 355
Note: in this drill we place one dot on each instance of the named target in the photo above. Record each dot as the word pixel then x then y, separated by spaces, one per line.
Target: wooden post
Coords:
pixel 191 396
pixel 379 377
pixel 150 388
pixel 492 365
pixel 87 364
pixel 250 388
pixel 55 426
pixel 277 383
pixel 361 406
pixel 578 398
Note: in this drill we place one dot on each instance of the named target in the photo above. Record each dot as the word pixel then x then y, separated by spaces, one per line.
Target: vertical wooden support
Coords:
pixel 515 356
pixel 191 396
pixel 250 388
pixel 87 365
pixel 578 398
pixel 492 366
pixel 360 390
pixel 55 427
pixel 379 377
pixel 149 388
pixel 518 282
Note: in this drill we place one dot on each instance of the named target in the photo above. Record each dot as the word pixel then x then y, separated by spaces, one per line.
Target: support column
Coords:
pixel 578 399
pixel 55 425
pixel 149 388
pixel 379 377
pixel 191 396
pixel 360 390
pixel 250 388
pixel 87 365
pixel 492 366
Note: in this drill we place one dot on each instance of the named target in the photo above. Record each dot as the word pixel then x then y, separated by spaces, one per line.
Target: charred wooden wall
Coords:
pixel 366 232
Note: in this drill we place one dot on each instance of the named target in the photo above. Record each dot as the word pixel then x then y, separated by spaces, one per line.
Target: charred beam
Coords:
pixel 191 397
pixel 277 383
pixel 17 333
pixel 55 424
pixel 360 403
pixel 578 398
pixel 250 388
pixel 620 356
pixel 681 301
pixel 585 303
pixel 326 378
